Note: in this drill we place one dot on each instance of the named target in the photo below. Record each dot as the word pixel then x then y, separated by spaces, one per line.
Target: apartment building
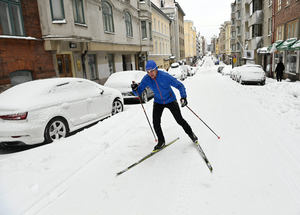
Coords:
pixel 161 25
pixel 190 42
pixel 173 10
pixel 93 39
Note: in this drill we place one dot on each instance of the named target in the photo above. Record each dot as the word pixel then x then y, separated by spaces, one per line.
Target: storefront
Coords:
pixel 289 58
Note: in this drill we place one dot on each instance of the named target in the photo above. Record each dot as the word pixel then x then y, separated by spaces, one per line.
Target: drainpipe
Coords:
pixel 83 61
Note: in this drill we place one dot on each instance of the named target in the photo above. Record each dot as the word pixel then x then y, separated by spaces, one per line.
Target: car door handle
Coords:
pixel 89 100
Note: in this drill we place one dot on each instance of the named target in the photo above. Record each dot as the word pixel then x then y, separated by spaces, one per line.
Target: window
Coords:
pixel 158 26
pixel 154 24
pixel 57 10
pixel 11 18
pixel 150 30
pixel 288 2
pixel 292 29
pixel 144 30
pixel 270 26
pixel 278 5
pixel 128 23
pixel 92 66
pixel 78 11
pixel 107 17
pixel 279 33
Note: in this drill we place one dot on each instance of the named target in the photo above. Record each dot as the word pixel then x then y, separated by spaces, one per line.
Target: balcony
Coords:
pixel 256 18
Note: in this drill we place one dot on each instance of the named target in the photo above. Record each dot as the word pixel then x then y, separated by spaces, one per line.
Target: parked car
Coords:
pixel 122 82
pixel 251 74
pixel 187 70
pixel 49 109
pixel 226 70
pixel 176 71
pixel 233 73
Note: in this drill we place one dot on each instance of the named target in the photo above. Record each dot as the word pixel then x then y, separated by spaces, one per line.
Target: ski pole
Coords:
pixel 145 114
pixel 202 121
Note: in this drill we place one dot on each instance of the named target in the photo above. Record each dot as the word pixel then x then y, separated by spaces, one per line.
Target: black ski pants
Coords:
pixel 175 110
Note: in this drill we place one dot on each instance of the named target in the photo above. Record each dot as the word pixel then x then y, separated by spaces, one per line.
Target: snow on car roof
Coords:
pixel 38 93
pixel 125 77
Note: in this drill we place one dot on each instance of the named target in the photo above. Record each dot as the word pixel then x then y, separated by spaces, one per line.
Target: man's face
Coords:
pixel 152 73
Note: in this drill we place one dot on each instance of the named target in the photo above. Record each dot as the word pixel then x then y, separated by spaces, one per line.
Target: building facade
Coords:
pixel 161 25
pixel 190 42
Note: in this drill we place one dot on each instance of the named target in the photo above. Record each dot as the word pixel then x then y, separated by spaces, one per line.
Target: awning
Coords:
pixel 277 43
pixel 296 46
pixel 286 44
pixel 263 50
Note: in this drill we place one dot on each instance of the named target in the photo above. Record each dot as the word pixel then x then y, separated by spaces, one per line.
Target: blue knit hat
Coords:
pixel 151 65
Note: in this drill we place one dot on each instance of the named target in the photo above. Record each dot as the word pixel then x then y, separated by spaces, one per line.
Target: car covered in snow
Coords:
pixel 122 81
pixel 251 74
pixel 176 71
pixel 47 110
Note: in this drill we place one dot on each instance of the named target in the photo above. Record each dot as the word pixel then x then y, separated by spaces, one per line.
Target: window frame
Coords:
pixel 92 64
pixel 144 29
pixel 295 27
pixel 62 10
pixel 279 5
pixel 280 32
pixel 128 24
pixel 150 30
pixel 10 18
pixel 108 18
pixel 76 9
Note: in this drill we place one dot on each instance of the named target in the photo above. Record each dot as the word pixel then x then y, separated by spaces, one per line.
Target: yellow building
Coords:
pixel 161 38
pixel 227 26
pixel 189 41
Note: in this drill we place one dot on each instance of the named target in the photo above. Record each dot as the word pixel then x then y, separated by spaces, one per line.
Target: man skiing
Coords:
pixel 160 83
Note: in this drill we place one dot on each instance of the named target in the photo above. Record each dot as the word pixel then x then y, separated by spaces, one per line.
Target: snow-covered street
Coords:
pixel 256 161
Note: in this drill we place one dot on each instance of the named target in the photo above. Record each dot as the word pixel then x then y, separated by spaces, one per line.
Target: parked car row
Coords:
pixel 246 74
pixel 182 71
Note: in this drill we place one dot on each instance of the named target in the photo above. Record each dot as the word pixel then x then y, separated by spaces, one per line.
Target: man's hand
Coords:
pixel 134 86
pixel 183 102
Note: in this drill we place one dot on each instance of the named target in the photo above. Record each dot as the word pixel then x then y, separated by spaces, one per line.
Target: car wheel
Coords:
pixel 117 107
pixel 144 97
pixel 56 129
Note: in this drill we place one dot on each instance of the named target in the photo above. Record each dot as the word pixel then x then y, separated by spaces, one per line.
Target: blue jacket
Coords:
pixel 161 86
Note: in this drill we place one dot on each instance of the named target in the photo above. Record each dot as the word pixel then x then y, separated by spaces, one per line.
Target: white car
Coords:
pixel 186 70
pixel 49 109
pixel 176 71
pixel 233 73
pixel 122 81
pixel 226 70
pixel 251 74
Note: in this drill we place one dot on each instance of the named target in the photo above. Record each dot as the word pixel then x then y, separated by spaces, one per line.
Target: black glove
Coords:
pixel 183 102
pixel 134 86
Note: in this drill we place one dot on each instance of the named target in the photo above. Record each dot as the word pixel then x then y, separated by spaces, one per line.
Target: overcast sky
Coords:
pixel 207 15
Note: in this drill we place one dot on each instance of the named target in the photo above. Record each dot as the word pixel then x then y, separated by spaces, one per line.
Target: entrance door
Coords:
pixel 64 65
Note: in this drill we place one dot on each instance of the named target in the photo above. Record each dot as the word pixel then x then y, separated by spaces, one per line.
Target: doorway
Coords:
pixel 64 65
